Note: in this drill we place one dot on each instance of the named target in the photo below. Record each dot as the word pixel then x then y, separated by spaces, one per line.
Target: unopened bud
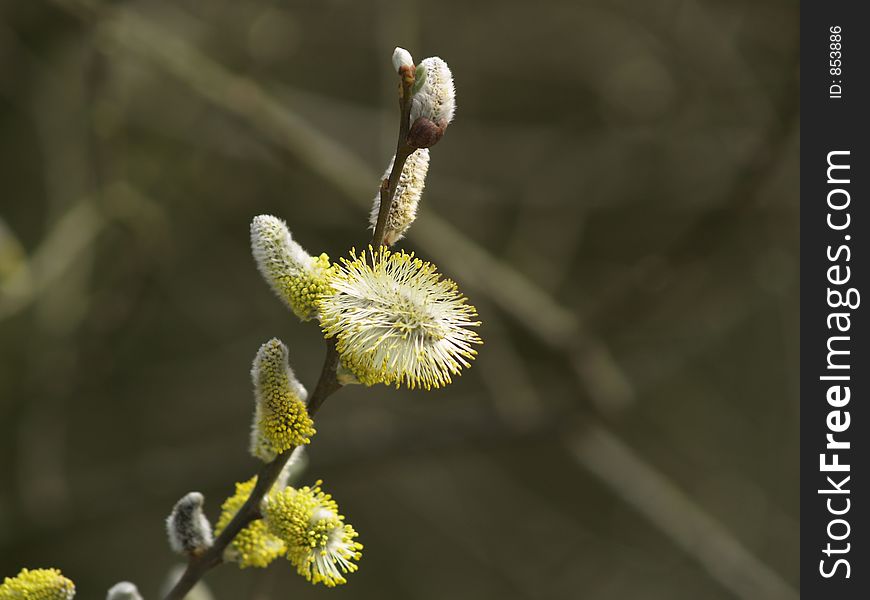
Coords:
pixel 188 528
pixel 402 58
pixel 435 99
pixel 425 133
pixel 124 591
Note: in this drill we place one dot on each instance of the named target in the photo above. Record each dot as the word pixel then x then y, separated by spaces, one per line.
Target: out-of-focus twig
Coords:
pixel 72 235
pixel 61 296
pixel 676 515
pixel 24 279
pixel 517 401
pixel 741 197
pixel 13 257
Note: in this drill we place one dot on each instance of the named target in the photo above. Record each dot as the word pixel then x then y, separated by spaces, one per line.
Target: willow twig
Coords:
pixel 725 558
pixel 403 151
pixel 250 511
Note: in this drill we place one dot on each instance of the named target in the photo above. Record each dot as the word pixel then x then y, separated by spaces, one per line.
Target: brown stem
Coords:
pixel 403 151
pixel 250 511
pixel 328 383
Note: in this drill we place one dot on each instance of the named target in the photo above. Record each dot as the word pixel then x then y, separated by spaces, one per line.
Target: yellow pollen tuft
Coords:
pixel 254 546
pixel 397 321
pixel 281 419
pixel 297 278
pixel 319 543
pixel 37 584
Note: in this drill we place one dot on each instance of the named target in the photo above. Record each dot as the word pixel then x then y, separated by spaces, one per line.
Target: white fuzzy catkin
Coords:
pixel 402 58
pixel 124 591
pixel 295 276
pixel 408 191
pixel 436 98
pixel 187 527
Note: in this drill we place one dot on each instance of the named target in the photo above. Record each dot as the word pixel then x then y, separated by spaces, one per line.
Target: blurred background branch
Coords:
pixel 619 202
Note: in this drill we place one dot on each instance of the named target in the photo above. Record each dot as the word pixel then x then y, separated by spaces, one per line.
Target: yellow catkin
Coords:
pixel 319 543
pixel 297 278
pixel 281 420
pixel 254 546
pixel 37 584
pixel 397 321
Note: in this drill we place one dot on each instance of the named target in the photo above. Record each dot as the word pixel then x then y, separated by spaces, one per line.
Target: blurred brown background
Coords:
pixel 618 196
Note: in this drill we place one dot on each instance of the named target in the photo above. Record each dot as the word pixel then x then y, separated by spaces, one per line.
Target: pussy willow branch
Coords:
pixel 403 151
pixel 327 385
pixel 250 511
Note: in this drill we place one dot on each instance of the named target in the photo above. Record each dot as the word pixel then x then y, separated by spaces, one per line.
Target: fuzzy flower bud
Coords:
pixel 408 191
pixel 254 546
pixel 38 584
pixel 296 277
pixel 433 104
pixel 281 419
pixel 402 58
pixel 319 543
pixel 436 98
pixel 124 591
pixel 397 321
pixel 188 528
